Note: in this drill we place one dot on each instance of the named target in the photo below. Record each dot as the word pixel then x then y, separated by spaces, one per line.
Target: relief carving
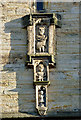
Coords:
pixel 41 53
pixel 42 97
pixel 40 72
pixel 41 40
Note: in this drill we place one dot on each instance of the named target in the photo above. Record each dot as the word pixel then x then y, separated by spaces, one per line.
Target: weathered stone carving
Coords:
pixel 41 72
pixel 41 80
pixel 41 52
pixel 41 34
pixel 41 99
pixel 41 44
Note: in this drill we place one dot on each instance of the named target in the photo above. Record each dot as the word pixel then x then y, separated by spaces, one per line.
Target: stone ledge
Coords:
pixel 16 115
pixel 53 114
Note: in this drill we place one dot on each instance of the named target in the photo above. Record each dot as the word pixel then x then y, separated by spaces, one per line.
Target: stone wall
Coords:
pixel 17 91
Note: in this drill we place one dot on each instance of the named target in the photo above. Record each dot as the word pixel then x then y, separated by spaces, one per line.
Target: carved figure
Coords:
pixel 41 73
pixel 41 100
pixel 41 40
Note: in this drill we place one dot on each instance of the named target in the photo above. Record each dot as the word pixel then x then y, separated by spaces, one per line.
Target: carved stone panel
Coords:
pixel 41 39
pixel 30 34
pixel 41 71
pixel 41 34
pixel 41 50
pixel 41 99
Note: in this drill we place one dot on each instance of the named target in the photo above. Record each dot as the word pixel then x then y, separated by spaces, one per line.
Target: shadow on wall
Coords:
pixel 16 63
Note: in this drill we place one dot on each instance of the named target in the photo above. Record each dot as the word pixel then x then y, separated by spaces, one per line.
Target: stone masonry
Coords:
pixel 17 94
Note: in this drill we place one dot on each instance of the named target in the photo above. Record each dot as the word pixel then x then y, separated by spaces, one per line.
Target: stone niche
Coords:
pixel 41 50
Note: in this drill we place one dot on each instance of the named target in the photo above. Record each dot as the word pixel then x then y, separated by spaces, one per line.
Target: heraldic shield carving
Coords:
pixel 41 50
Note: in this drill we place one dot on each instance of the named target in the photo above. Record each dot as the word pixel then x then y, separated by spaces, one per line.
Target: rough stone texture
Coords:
pixel 17 92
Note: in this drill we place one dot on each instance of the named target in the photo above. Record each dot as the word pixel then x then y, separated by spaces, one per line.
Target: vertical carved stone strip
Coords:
pixel 48 73
pixel 51 39
pixel 34 72
pixel 36 92
pixel 41 99
pixel 34 38
pixel 46 97
pixel 30 38
pixel 54 41
pixel 41 51
pixel 29 42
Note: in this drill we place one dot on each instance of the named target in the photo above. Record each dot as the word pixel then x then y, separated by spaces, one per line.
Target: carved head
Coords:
pixel 41 30
pixel 41 92
pixel 41 67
